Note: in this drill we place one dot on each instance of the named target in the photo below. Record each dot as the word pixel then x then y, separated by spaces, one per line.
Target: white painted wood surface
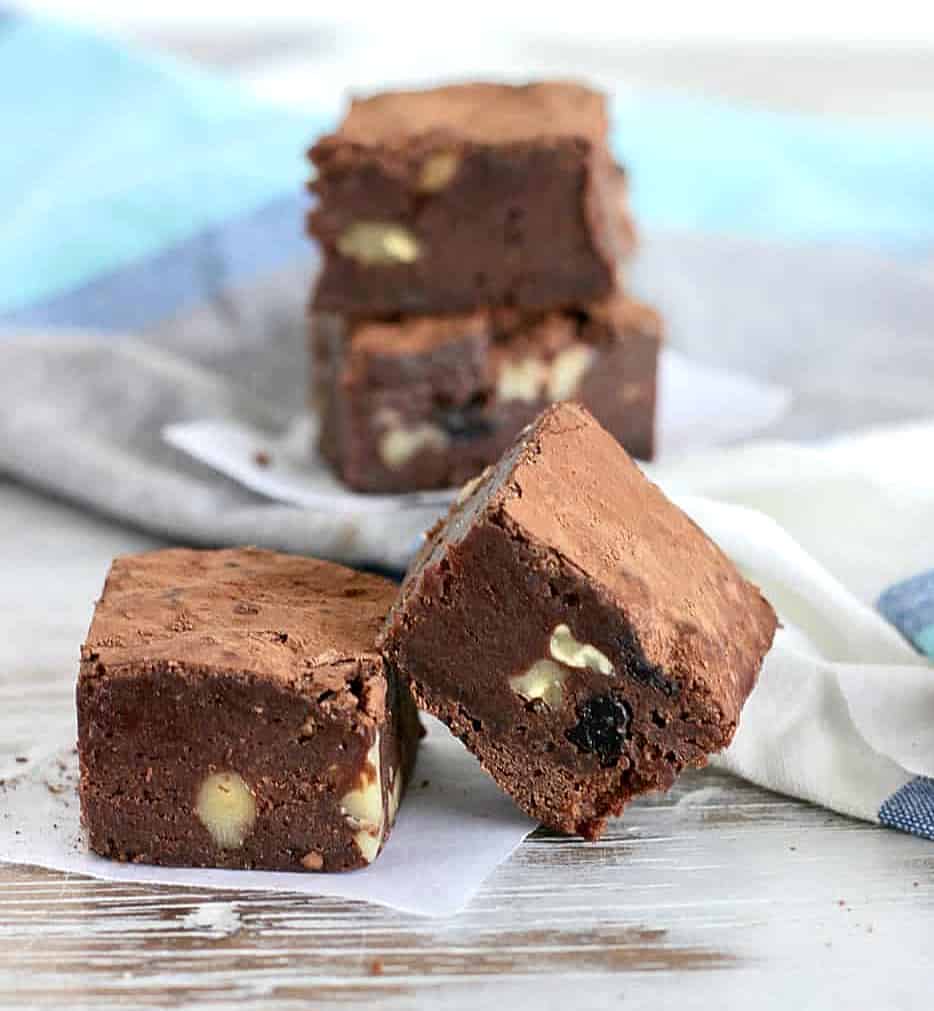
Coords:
pixel 715 895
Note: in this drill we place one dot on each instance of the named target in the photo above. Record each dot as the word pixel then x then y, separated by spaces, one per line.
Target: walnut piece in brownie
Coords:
pixel 233 712
pixel 575 629
pixel 429 401
pixel 446 200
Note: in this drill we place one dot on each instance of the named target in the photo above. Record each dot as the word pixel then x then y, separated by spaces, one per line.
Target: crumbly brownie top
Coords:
pixel 484 113
pixel 612 319
pixel 244 611
pixel 536 334
pixel 416 334
pixel 568 488
pixel 451 352
pixel 628 316
pixel 542 331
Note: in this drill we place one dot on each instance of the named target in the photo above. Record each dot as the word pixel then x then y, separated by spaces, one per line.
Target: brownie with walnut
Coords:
pixel 575 629
pixel 428 402
pixel 447 200
pixel 234 712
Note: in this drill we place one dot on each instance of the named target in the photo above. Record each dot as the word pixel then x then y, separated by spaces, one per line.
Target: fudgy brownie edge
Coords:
pixel 576 630
pixel 233 712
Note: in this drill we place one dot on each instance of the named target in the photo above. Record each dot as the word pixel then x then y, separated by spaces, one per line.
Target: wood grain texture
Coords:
pixel 694 895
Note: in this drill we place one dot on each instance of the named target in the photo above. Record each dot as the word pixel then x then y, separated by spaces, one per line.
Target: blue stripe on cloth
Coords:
pixel 911 809
pixel 909 606
pixel 185 275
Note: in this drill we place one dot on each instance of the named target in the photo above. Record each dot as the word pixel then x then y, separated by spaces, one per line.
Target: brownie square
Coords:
pixel 428 402
pixel 456 198
pixel 233 711
pixel 578 632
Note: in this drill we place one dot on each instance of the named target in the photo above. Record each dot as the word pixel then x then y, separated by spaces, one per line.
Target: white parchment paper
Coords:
pixel 698 407
pixel 453 829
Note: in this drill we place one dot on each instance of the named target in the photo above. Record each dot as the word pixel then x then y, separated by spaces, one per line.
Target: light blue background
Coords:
pixel 111 157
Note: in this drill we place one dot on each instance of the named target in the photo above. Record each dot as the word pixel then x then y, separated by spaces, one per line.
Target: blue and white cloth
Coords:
pixel 909 605
pixel 139 196
pixel 843 714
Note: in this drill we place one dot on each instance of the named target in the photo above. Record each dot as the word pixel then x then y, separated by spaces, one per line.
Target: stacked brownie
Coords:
pixel 246 709
pixel 472 241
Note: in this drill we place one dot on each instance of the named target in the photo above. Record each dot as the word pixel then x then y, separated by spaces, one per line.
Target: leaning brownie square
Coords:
pixel 448 200
pixel 575 629
pixel 429 401
pixel 233 712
